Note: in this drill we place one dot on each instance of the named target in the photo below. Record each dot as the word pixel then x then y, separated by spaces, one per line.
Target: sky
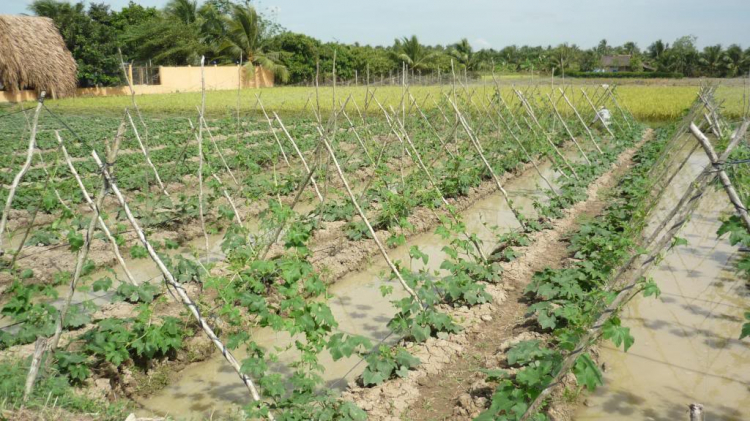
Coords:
pixel 498 23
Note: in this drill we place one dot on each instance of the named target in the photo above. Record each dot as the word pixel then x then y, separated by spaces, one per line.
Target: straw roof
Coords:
pixel 616 61
pixel 33 55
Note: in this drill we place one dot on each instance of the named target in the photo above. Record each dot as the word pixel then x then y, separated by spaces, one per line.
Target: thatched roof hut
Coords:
pixel 33 55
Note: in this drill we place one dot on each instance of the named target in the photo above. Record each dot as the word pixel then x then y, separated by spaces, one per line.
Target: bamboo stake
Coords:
pixel 567 130
pixel 424 169
pixel 596 113
pixel 583 123
pixel 725 181
pixel 92 205
pixel 40 346
pixel 362 215
pixel 531 114
pixel 434 131
pixel 81 258
pixel 215 177
pixel 146 154
pixel 299 153
pixel 201 213
pixel 201 113
pixel 169 278
pixel 22 172
pixel 528 155
pixel 273 131
pixel 218 151
pixel 359 139
pixel 478 148
pixel 239 88
pixel 132 95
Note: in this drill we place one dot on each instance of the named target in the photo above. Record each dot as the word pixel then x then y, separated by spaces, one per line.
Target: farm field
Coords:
pixel 412 252
pixel 648 102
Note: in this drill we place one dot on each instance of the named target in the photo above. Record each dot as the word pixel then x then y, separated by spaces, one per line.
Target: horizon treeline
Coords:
pixel 225 31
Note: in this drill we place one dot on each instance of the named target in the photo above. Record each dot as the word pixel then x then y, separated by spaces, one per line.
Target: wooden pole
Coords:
pixel 723 177
pixel 202 110
pixel 362 215
pixel 580 120
pixel 22 172
pixel 146 154
pixel 92 205
pixel 567 130
pixel 596 113
pixel 299 153
pixel 169 278
pixel 487 165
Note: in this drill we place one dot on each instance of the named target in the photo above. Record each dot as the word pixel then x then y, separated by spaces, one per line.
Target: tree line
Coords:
pixel 227 31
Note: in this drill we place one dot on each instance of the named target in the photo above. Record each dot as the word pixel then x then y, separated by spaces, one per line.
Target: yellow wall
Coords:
pixel 173 79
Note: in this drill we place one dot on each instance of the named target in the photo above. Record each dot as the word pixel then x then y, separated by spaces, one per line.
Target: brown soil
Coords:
pixel 448 384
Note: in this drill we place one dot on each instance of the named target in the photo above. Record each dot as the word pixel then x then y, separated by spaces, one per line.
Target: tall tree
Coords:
pixel 180 35
pixel 712 60
pixel 464 54
pixel 735 61
pixel 90 37
pixel 411 52
pixel 248 35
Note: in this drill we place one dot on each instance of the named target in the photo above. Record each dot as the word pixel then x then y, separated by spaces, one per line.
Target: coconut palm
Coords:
pixel 247 35
pixel 181 35
pixel 414 54
pixel 464 55
pixel 735 61
pixel 712 60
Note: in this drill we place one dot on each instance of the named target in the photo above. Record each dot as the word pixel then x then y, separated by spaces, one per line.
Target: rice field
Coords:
pixel 647 102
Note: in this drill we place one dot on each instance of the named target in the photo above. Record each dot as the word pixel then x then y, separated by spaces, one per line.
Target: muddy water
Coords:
pixel 686 342
pixel 357 305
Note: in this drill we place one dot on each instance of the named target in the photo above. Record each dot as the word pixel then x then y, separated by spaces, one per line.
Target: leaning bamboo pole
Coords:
pixel 478 148
pixel 531 114
pixel 169 278
pixel 84 250
pixel 362 215
pixel 144 150
pixel 299 153
pixel 596 113
pixel 22 172
pixel 92 205
pixel 218 150
pixel 427 173
pixel 567 130
pixel 580 120
pixel 132 95
pixel 723 177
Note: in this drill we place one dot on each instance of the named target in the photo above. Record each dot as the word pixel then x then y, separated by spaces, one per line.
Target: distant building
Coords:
pixel 617 63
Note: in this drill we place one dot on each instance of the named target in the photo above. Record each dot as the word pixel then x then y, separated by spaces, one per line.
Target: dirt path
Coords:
pixel 448 384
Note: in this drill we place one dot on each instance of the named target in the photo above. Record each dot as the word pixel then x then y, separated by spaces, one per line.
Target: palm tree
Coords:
pixel 411 52
pixel 464 55
pixel 712 60
pixel 181 35
pixel 185 11
pixel 247 35
pixel 735 60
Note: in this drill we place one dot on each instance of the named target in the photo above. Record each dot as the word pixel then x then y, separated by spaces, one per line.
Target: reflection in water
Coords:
pixel 686 342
